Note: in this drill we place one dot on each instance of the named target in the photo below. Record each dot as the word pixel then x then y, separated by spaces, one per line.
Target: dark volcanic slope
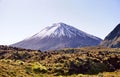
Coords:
pixel 58 36
pixel 113 39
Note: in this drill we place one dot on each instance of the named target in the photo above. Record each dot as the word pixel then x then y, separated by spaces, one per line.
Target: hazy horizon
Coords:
pixel 20 19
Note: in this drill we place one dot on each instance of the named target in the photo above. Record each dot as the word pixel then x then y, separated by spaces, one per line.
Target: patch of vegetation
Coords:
pixel 80 62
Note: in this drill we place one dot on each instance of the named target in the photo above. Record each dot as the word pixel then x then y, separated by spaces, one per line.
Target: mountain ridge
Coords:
pixel 113 38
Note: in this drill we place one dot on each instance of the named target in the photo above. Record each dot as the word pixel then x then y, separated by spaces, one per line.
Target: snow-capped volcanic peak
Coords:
pixel 59 30
pixel 58 36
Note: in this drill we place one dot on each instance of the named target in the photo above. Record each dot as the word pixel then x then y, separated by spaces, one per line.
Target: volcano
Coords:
pixel 58 36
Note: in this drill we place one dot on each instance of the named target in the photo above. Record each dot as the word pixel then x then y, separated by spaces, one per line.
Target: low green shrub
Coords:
pixel 38 68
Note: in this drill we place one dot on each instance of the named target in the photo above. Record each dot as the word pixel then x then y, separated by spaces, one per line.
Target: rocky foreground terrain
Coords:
pixel 79 62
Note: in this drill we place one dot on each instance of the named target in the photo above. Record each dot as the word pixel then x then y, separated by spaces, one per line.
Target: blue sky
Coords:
pixel 22 18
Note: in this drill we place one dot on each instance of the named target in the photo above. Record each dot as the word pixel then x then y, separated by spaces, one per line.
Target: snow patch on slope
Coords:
pixel 59 30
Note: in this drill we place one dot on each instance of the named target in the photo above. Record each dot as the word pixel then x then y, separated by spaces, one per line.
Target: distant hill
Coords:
pixel 113 38
pixel 58 36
